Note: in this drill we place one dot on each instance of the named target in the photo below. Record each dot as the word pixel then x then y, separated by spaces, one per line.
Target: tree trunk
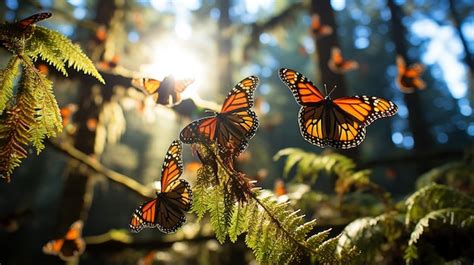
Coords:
pixel 416 120
pixel 77 190
pixel 323 48
pixel 224 43
pixel 457 24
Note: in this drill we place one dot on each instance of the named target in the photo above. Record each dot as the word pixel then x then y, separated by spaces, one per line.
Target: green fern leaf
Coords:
pixel 218 213
pixel 15 128
pixel 59 51
pixel 462 219
pixel 317 239
pixel 7 78
pixel 434 197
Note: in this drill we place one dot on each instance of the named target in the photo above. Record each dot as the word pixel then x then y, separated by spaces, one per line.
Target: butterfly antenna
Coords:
pixel 325 89
pixel 332 90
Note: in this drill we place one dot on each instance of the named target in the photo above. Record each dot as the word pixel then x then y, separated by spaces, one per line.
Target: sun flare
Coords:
pixel 177 61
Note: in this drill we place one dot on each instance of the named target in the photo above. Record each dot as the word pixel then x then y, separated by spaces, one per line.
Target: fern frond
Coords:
pixel 449 218
pixel 59 51
pixel 310 165
pixel 459 174
pixel 15 128
pixel 275 232
pixel 7 78
pixel 369 235
pixel 434 197
pixel 32 113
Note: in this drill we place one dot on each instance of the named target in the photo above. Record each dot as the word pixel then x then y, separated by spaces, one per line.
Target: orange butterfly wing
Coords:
pixel 69 247
pixel 409 77
pixel 233 127
pixel 338 123
pixel 172 165
pixel 338 64
pixel 24 23
pixel 167 211
pixel 148 85
pixel 302 88
pixel 318 29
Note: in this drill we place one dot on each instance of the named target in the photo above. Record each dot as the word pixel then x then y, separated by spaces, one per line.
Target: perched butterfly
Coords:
pixel 25 23
pixel 318 29
pixel 233 126
pixel 408 78
pixel 68 247
pixel 338 64
pixel 338 123
pixel 166 92
pixel 167 211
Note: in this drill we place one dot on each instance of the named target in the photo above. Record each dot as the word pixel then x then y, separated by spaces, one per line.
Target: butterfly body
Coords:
pixel 233 126
pixel 167 211
pixel 339 123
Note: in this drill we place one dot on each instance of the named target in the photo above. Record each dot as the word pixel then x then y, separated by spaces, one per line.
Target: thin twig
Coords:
pixel 93 164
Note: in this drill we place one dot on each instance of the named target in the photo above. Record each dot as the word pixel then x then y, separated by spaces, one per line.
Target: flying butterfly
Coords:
pixel 25 23
pixel 233 126
pixel 319 30
pixel 68 247
pixel 166 92
pixel 339 123
pixel 167 211
pixel 408 78
pixel 338 64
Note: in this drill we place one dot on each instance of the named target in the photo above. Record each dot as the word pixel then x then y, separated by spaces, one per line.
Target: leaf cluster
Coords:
pixel 29 111
pixel 309 165
pixel 276 233
pixel 434 214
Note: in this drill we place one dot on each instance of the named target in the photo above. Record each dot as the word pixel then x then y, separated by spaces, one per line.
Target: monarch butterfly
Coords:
pixel 68 247
pixel 338 64
pixel 408 78
pixel 24 23
pixel 318 29
pixel 233 126
pixel 166 92
pixel 166 211
pixel 338 123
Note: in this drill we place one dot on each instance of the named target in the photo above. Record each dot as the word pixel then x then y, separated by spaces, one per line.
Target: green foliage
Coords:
pixel 432 198
pixel 449 218
pixel 7 78
pixel 435 212
pixel 372 236
pixel 275 232
pixel 311 165
pixel 459 174
pixel 59 51
pixel 31 113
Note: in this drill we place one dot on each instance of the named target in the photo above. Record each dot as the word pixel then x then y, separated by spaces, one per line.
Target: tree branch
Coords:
pixel 96 166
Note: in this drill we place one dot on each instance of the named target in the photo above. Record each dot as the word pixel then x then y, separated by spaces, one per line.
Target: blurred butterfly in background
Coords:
pixel 233 126
pixel 167 211
pixel 338 123
pixel 338 64
pixel 319 30
pixel 166 92
pixel 68 247
pixel 409 77
pixel 25 23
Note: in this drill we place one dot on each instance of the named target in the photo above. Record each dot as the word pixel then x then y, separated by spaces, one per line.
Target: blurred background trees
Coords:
pixel 218 43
